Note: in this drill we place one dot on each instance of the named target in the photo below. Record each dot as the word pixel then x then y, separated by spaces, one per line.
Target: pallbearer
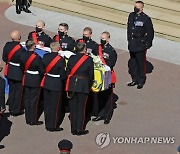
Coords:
pixel 31 63
pixel 39 36
pixel 11 56
pixel 53 88
pixel 66 42
pixel 109 57
pixel 80 72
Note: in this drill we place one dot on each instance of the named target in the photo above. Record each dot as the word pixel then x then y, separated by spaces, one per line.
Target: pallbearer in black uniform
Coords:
pixel 140 34
pixel 80 70
pixel 39 36
pixel 109 57
pixel 53 88
pixel 11 56
pixel 32 66
pixel 92 46
pixel 66 42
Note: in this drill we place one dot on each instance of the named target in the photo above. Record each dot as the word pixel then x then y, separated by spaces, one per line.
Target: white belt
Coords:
pixel 32 72
pixel 53 75
pixel 14 64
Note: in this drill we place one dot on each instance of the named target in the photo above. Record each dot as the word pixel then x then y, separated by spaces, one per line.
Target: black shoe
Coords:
pixel 54 129
pixel 140 86
pixel 74 133
pixel 82 133
pixel 16 114
pixel 35 123
pixel 131 84
pixel 2 146
pixel 27 122
pixel 27 10
pixel 97 119
pixel 106 121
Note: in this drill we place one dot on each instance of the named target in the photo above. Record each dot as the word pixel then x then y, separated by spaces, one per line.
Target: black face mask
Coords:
pixel 85 38
pixel 103 42
pixel 136 10
pixel 38 30
pixel 61 33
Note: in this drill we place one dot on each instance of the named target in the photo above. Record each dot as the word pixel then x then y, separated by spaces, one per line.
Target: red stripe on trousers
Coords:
pixel 84 113
pixel 37 103
pixel 57 107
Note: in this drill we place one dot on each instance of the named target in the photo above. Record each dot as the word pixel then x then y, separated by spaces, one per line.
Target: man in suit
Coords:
pixel 140 34
pixel 66 42
pixel 32 66
pixel 11 56
pixel 39 36
pixel 53 88
pixel 109 57
pixel 80 71
pixel 22 5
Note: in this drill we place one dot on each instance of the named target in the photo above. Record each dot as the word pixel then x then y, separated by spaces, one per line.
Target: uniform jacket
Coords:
pixel 42 37
pixel 66 42
pixel 85 74
pixel 14 72
pixel 110 55
pixel 32 80
pixel 140 32
pixel 91 46
pixel 54 83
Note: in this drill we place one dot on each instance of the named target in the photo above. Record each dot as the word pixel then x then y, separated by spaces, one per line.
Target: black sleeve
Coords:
pixel 41 68
pixel 71 45
pixel 95 49
pixel 21 61
pixel 129 25
pixel 30 36
pixel 150 32
pixel 4 55
pixel 113 59
pixel 62 71
pixel 91 72
pixel 49 41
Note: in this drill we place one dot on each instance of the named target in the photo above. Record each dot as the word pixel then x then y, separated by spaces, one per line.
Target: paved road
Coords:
pixel 152 111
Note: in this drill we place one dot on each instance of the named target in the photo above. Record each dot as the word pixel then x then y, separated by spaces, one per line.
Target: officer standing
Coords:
pixel 109 57
pixel 53 88
pixel 140 34
pixel 22 5
pixel 66 42
pixel 80 70
pixel 32 65
pixel 11 56
pixel 92 46
pixel 39 36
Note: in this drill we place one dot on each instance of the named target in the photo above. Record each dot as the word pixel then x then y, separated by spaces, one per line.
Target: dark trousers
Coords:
pixel 106 98
pixel 15 96
pixel 32 104
pixel 53 112
pixel 77 107
pixel 137 68
pixel 2 93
